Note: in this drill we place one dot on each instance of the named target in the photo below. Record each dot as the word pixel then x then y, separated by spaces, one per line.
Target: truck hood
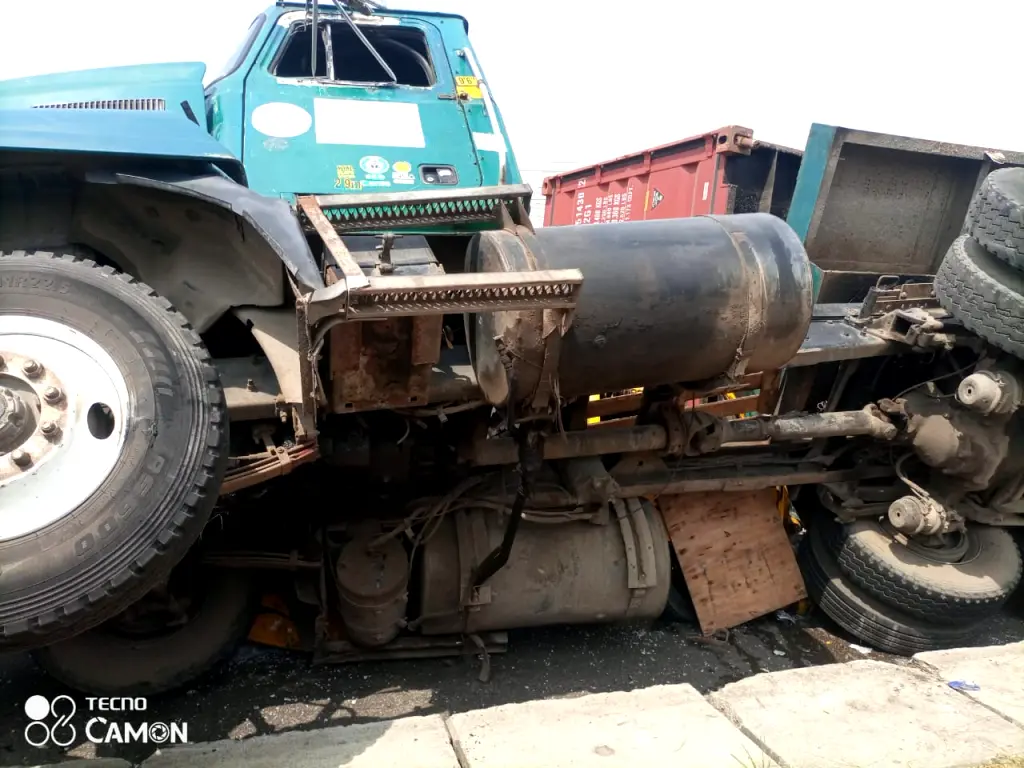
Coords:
pixel 144 87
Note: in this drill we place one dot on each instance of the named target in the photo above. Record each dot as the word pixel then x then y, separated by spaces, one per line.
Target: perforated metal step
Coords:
pixel 483 205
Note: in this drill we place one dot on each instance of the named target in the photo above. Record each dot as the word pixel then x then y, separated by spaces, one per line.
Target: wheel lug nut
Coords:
pixel 20 458
pixel 32 369
pixel 48 427
pixel 52 394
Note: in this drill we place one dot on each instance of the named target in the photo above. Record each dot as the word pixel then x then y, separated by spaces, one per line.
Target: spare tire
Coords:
pixel 967 589
pixel 996 215
pixel 115 434
pixel 984 293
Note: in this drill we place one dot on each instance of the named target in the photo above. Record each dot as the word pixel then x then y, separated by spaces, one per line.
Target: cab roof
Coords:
pixel 328 5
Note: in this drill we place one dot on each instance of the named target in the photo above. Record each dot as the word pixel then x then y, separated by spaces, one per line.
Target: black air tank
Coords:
pixel 671 301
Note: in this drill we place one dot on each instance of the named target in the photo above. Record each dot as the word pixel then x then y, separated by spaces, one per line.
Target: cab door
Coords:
pixel 347 129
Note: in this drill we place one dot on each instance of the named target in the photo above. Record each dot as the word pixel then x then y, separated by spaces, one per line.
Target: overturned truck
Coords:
pixel 298 323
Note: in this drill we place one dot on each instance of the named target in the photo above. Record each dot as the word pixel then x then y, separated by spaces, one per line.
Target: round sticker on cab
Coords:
pixel 281 120
pixel 372 164
pixel 401 173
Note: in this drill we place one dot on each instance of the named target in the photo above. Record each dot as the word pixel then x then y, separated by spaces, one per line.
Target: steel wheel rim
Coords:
pixel 75 406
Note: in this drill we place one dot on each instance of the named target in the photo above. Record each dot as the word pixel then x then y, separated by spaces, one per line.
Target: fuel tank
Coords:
pixel 663 302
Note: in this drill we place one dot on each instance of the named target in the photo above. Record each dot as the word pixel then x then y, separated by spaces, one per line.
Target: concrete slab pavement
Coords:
pixel 415 742
pixel 859 714
pixel 663 725
pixel 867 713
pixel 998 671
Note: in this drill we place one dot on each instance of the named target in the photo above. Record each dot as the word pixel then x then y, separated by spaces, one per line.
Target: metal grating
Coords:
pixel 353 213
pixel 405 215
pixel 138 105
pixel 391 297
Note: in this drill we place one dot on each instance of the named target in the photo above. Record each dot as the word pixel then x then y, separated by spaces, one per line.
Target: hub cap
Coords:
pixel 63 419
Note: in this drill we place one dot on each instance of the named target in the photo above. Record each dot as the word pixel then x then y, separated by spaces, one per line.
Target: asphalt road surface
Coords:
pixel 267 691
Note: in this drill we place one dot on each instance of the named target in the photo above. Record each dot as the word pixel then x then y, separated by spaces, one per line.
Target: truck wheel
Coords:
pixel 880 626
pixel 113 438
pixel 983 293
pixel 996 216
pixel 941 586
pixel 164 642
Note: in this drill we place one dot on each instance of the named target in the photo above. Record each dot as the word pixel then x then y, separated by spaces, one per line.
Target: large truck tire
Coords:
pixel 984 293
pixel 966 590
pixel 878 625
pixel 996 215
pixel 116 659
pixel 114 444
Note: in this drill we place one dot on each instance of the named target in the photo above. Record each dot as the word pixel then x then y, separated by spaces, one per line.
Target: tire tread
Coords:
pixel 995 218
pixel 968 288
pixel 32 622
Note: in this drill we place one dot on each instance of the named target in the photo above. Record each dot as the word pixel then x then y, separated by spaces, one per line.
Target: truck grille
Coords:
pixel 140 105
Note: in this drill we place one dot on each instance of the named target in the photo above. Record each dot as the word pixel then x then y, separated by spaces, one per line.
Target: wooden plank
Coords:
pixel 625 421
pixel 610 406
pixel 769 393
pixel 734 554
pixel 750 381
pixel 727 407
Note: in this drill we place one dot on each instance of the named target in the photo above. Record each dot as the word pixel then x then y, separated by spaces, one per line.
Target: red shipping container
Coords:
pixel 722 171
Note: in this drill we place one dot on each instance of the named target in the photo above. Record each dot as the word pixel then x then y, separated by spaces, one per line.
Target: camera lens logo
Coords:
pixel 51 721
pixel 159 733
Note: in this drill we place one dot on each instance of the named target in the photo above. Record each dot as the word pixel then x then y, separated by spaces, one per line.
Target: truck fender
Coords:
pixel 271 217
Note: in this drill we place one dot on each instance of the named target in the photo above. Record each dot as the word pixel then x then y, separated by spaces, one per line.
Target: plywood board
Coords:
pixel 734 553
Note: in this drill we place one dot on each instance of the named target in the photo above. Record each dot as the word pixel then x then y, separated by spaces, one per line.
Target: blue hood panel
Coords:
pixel 167 134
pixel 145 86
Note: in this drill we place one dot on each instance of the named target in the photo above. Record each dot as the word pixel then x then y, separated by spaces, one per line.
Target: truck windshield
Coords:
pixel 404 49
pixel 243 50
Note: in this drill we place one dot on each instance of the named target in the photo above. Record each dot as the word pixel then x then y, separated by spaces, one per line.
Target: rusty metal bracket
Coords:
pixel 889 294
pixel 674 429
pixel 342 257
pixel 915 327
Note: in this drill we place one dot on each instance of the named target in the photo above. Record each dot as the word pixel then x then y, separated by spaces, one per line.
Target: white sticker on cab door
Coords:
pixel 368 123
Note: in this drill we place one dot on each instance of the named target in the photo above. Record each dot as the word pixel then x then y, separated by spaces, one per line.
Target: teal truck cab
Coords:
pixel 307 300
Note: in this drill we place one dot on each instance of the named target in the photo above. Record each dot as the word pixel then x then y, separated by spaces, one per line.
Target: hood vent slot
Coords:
pixel 141 105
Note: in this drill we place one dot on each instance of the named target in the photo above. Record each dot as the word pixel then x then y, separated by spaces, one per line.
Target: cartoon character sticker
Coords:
pixel 374 170
pixel 374 167
pixel 401 173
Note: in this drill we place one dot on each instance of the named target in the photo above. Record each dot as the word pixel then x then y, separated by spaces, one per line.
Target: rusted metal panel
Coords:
pixel 371 365
pixel 883 204
pixel 721 171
